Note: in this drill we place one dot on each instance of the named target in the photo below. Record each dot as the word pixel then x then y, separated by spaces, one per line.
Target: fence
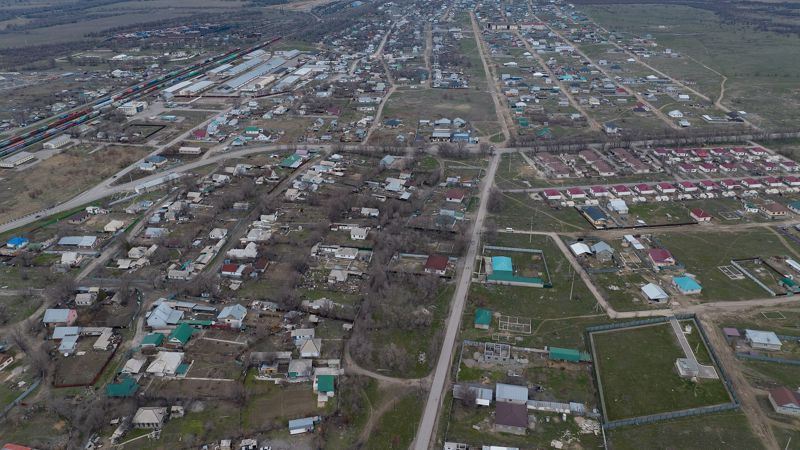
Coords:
pixel 671 415
pixel 734 404
pixel 792 362
pixel 21 397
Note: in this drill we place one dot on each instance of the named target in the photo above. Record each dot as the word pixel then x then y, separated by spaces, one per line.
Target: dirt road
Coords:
pixel 499 108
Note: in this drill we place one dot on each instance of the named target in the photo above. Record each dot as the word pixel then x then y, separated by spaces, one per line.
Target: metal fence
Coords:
pixel 734 404
pixel 669 416
pixel 21 397
pixel 793 362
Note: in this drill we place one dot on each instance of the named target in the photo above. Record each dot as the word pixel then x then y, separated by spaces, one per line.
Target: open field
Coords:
pixel 637 371
pixel 702 253
pixel 412 105
pixel 61 177
pixel 721 430
pixel 522 212
pixel 396 428
pixel 761 67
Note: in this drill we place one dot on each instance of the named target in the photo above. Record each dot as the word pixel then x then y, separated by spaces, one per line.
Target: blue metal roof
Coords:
pixel 502 264
pixel 686 284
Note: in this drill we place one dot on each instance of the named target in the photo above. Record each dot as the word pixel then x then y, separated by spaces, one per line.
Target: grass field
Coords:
pixel 412 105
pixel 703 252
pixel 396 428
pixel 761 67
pixel 713 431
pixel 551 310
pixel 637 371
pixel 521 212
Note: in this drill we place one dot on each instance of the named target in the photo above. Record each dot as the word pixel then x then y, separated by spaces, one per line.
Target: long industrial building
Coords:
pixel 263 69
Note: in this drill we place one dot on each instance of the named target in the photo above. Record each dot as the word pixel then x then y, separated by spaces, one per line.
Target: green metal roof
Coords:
pixel 502 264
pixel 181 334
pixel 154 339
pixel 510 277
pixel 125 388
pixel 291 160
pixel 483 316
pixel 325 383
pixel 182 369
pixel 196 322
pixel 567 354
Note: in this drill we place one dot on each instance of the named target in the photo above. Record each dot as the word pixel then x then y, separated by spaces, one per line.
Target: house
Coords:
pixel 511 418
pixel 304 425
pixel 699 215
pixel 618 206
pixel 150 417
pixel 311 348
pixel 763 340
pixel 774 210
pixel 666 188
pixel 301 334
pixel 234 270
pixel 436 264
pixel 483 318
pixel 511 393
pixel 644 189
pixel 127 387
pixel 602 251
pixel 654 293
pixel 576 193
pixel 299 369
pixel 113 226
pixel 232 315
pixel 180 336
pixel 165 364
pixel 324 384
pixel 661 257
pixel 455 195
pixel 17 243
pixel 85 298
pixel 152 340
pixel 59 317
pixel 596 216
pixel 551 194
pixel 359 233
pixel 621 190
pixel 785 401
pixel 687 285
pixel 163 316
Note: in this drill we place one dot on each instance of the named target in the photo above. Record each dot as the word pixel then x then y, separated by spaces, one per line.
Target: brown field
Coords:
pixel 60 178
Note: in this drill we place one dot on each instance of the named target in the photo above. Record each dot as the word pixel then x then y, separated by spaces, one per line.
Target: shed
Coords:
pixel 567 354
pixel 654 293
pixel 483 318
pixel 125 388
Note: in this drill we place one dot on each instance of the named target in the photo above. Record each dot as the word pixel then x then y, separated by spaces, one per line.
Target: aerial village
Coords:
pixel 279 250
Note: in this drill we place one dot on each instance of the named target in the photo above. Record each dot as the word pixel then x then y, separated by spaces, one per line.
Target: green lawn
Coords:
pixel 637 371
pixel 703 252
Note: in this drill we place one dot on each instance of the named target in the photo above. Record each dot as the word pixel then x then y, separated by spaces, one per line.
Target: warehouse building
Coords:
pixel 17 160
pixel 56 142
pixel 133 107
pixel 258 71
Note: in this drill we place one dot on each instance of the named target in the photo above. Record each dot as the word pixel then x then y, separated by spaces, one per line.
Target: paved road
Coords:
pixel 425 432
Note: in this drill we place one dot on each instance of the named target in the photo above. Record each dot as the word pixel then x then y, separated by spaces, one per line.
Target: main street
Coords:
pixel 441 375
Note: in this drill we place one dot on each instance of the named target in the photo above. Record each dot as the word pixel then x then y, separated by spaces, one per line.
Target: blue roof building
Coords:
pixel 17 242
pixel 687 285
pixel 502 264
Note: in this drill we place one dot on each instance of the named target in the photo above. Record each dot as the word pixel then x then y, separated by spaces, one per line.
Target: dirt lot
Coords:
pixel 78 370
pixel 61 177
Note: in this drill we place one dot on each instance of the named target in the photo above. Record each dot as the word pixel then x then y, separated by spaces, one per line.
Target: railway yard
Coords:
pixel 385 225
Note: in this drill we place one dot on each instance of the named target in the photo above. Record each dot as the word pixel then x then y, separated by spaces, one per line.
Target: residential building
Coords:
pixel 785 401
pixel 150 417
pixel 763 340
pixel 232 315
pixel 687 285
